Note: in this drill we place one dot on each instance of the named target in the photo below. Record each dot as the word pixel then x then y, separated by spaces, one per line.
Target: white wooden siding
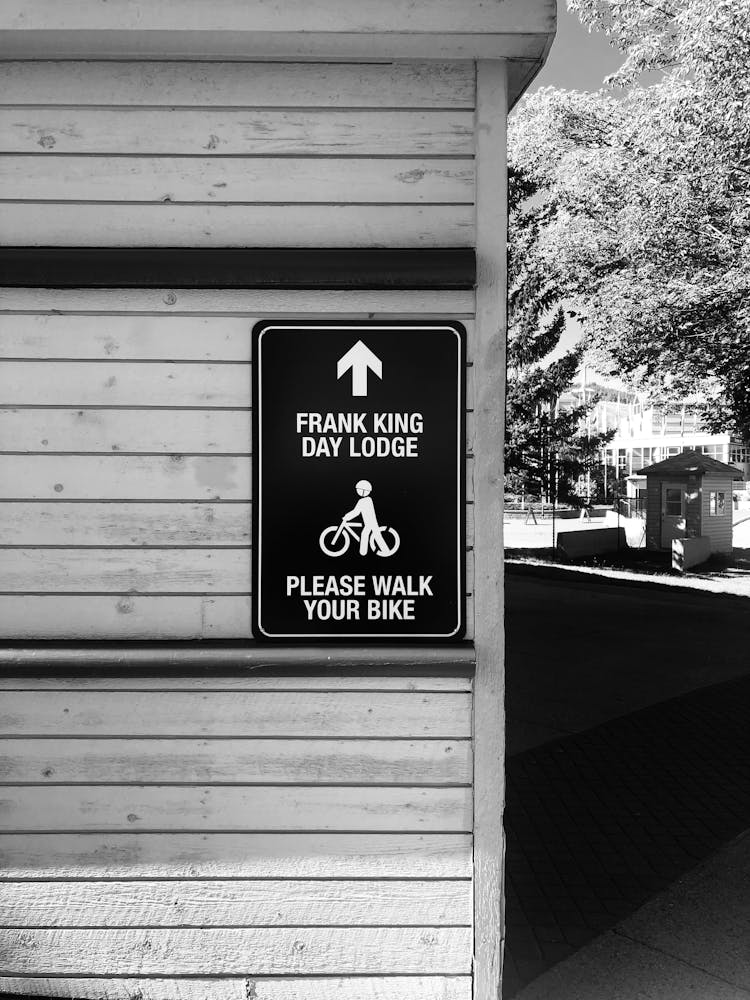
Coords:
pixel 112 808
pixel 268 988
pixel 235 761
pixel 251 951
pixel 125 466
pixel 265 837
pixel 268 903
pixel 237 856
pixel 240 85
pixel 365 16
pixel 99 857
pixel 194 154
pixel 155 714
pixel 718 529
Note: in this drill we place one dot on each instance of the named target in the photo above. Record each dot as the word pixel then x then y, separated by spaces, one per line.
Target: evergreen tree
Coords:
pixel 548 453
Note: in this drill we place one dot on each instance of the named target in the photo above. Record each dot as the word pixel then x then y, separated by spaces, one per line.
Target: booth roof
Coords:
pixel 692 463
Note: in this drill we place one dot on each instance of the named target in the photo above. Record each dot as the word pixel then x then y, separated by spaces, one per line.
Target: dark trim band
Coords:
pixel 163 659
pixel 296 268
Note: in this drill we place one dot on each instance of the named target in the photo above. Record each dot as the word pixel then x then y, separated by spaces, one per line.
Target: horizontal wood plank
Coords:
pixel 31 430
pixel 262 951
pixel 144 571
pixel 135 337
pixel 236 179
pixel 134 477
pixel 166 224
pixel 124 383
pixel 118 808
pixel 209 988
pixel 367 16
pixel 406 679
pixel 46 336
pixel 234 856
pixel 35 617
pixel 242 302
pixel 252 903
pixel 251 132
pixel 258 714
pixel 244 46
pixel 120 477
pixel 191 432
pixel 242 85
pixel 289 762
pixel 129 524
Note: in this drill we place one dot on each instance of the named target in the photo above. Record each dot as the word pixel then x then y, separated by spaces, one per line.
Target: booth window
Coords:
pixel 715 504
pixel 673 502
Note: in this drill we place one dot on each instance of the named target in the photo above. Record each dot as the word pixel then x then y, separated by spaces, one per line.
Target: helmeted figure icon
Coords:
pixel 335 540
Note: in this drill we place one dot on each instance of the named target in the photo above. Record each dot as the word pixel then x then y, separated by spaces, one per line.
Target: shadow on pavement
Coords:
pixel 600 821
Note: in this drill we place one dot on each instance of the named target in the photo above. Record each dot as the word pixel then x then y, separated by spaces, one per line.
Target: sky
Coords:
pixel 579 60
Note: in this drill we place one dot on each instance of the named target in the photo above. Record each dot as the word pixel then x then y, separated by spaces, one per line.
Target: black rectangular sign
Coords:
pixel 358 494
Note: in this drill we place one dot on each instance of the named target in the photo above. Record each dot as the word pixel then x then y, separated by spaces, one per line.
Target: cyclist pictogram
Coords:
pixel 361 524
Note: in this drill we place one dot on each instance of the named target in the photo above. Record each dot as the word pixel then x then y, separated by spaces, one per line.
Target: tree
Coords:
pixel 547 452
pixel 650 237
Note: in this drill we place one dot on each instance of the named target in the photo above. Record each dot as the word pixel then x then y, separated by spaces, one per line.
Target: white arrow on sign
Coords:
pixel 359 358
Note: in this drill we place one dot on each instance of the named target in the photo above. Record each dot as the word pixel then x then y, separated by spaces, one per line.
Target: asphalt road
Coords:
pixel 583 651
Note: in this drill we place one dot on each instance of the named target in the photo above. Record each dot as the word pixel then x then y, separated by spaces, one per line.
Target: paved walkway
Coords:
pixel 691 941
pixel 601 821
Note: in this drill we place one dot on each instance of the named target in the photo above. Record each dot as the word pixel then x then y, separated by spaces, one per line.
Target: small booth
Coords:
pixel 689 506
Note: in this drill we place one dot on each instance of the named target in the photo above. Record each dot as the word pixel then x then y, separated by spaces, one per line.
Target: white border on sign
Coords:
pixel 461 542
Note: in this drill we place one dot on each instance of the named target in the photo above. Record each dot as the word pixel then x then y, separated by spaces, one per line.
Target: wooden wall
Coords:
pixel 125 462
pixel 653 513
pixel 275 836
pixel 717 528
pixel 233 154
pixel 261 837
pixel 125 466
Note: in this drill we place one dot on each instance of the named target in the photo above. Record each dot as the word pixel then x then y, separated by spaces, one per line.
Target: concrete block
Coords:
pixel 687 552
pixel 591 542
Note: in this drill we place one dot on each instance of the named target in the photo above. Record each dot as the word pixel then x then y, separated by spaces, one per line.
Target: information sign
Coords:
pixel 358 494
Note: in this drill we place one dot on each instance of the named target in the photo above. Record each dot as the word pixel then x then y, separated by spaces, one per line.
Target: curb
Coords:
pixel 554 571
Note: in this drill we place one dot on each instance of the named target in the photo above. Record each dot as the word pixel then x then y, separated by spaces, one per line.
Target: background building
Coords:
pixel 646 433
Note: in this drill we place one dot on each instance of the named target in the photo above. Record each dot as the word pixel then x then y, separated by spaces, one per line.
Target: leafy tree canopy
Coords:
pixel 547 452
pixel 648 232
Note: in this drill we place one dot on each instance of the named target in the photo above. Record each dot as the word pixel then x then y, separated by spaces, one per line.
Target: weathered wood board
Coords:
pixel 133 336
pixel 251 951
pixel 234 761
pixel 217 807
pixel 251 303
pixel 303 714
pixel 134 524
pixel 267 988
pixel 235 225
pixel 248 903
pixel 365 17
pixel 249 132
pixel 86 856
pixel 238 180
pixel 244 85
pixel 127 616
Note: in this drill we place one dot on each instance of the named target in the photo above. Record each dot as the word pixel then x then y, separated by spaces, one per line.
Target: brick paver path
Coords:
pixel 601 821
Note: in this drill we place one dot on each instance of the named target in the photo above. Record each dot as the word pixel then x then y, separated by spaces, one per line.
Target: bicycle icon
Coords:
pixel 361 525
